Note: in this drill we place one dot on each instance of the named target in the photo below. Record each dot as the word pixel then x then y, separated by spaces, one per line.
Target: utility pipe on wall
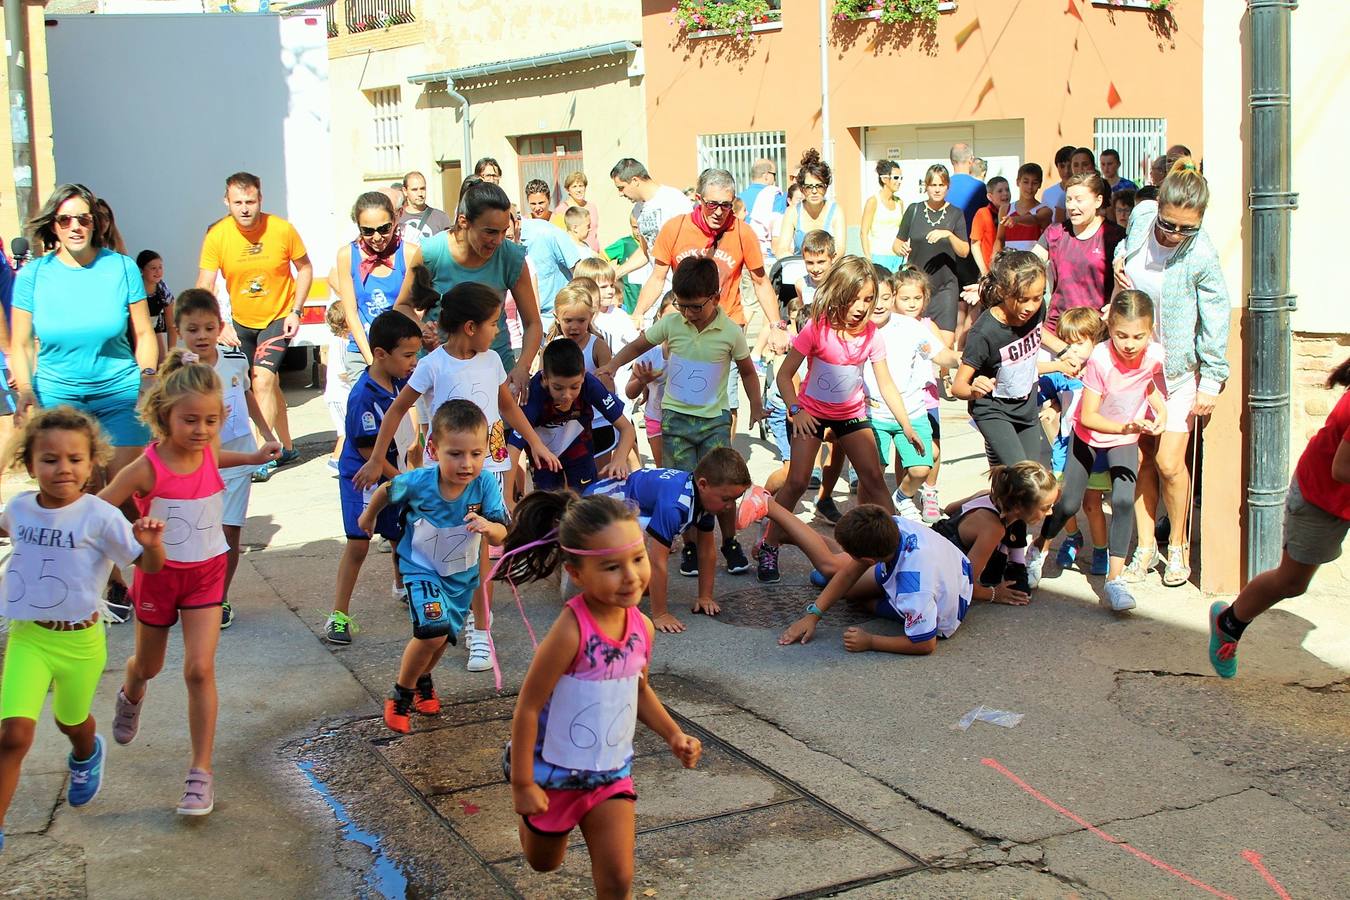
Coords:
pixel 826 145
pixel 1266 344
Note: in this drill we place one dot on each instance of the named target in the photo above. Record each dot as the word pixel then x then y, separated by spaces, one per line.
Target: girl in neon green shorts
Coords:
pixel 65 544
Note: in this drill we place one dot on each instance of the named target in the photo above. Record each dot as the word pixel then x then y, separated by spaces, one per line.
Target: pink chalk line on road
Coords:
pixel 1250 856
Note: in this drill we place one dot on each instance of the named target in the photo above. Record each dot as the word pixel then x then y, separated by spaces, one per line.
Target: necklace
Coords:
pixel 940 211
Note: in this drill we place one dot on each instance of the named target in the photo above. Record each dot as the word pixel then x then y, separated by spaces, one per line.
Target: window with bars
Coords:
pixel 387 142
pixel 1137 141
pixel 737 151
pixel 550 158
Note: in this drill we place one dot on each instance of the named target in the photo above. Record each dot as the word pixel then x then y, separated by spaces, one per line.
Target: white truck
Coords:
pixel 152 112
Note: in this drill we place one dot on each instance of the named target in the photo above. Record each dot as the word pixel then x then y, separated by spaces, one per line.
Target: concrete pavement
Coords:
pixel 1135 772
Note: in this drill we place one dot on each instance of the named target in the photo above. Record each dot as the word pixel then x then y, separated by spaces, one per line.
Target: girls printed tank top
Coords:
pixel 190 506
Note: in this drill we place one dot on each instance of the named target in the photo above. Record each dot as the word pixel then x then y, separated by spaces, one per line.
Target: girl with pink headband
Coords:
pixel 571 752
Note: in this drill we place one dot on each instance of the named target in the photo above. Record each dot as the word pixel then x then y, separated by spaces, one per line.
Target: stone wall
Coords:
pixel 1315 355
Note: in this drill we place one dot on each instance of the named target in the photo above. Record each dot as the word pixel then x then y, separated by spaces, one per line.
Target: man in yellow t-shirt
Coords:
pixel 255 252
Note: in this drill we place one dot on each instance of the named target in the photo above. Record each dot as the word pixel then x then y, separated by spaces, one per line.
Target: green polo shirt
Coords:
pixel 696 372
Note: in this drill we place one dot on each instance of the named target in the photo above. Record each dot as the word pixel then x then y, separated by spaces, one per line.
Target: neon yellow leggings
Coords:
pixel 68 662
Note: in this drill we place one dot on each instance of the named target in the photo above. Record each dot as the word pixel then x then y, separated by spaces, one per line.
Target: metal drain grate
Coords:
pixel 779 607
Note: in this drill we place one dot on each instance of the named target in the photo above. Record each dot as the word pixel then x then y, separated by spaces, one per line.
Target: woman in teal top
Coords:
pixel 76 301
pixel 477 250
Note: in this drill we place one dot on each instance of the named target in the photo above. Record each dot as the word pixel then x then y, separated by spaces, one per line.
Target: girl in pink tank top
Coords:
pixel 571 751
pixel 177 481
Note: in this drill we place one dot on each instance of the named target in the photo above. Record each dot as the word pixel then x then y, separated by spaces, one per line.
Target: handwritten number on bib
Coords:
pixel 183 531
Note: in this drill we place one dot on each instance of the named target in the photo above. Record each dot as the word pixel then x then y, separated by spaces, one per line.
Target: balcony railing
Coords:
pixel 372 15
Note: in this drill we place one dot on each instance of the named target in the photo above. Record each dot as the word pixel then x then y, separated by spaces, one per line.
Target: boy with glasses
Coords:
pixel 695 417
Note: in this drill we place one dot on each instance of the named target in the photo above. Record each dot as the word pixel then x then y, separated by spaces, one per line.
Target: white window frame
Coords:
pixel 1137 140
pixel 737 151
pixel 386 120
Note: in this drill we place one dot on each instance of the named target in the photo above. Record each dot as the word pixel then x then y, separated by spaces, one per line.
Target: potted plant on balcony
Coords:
pixel 890 12
pixel 738 17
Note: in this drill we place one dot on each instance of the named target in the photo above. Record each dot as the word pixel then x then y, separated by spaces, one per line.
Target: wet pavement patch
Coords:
pixel 780 606
pixel 432 808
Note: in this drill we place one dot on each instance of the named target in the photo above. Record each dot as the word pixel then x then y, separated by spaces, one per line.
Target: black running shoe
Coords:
pixel 826 509
pixel 689 560
pixel 767 572
pixel 226 615
pixel 735 557
pixel 118 600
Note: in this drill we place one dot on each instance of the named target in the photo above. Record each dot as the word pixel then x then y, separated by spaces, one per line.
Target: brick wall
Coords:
pixel 1315 355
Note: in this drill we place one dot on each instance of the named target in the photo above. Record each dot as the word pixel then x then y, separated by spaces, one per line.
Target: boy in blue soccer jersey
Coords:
pixel 890 566
pixel 563 401
pixel 395 341
pixel 669 502
pixel 446 511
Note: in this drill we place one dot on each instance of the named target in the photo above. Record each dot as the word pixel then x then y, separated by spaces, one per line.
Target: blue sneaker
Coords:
pixel 818 578
pixel 287 457
pixel 1101 561
pixel 264 472
pixel 1068 551
pixel 86 777
pixel 1222 648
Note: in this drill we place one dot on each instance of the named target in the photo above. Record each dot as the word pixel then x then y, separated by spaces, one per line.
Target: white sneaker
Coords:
pixel 1118 595
pixel 928 504
pixel 1035 565
pixel 400 593
pixel 905 507
pixel 480 652
pixel 383 546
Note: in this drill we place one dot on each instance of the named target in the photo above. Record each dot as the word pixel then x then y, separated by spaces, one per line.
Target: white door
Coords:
pixel 916 147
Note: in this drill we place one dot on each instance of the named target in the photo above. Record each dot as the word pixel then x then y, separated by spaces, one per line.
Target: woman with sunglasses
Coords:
pixel 881 216
pixel 1167 255
pixel 372 273
pixel 815 212
pixel 76 302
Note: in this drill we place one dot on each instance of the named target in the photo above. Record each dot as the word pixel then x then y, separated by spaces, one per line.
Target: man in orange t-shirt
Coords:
pixel 255 252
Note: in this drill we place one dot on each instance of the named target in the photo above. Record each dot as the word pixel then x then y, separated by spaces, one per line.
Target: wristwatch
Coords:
pixel 814 610
pixel 147 372
pixel 781 325
pixel 794 409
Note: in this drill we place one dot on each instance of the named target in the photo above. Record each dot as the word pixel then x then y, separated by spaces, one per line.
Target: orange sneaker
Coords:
pixel 754 506
pixel 397 708
pixel 426 702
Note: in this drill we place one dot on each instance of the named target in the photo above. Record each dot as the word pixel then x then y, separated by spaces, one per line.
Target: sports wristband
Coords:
pixel 814 610
pixel 781 325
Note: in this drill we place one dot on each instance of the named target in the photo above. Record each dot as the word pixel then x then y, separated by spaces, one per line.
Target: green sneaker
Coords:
pixel 339 628
pixel 1222 648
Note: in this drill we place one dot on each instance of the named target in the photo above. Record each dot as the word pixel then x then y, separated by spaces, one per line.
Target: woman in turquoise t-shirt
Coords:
pixel 76 301
pixel 477 249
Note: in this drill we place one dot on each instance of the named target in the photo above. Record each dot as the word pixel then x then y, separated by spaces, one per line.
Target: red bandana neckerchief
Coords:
pixel 370 259
pixel 713 235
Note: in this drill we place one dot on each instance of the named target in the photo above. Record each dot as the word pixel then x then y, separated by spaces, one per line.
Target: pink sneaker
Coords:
pixel 126 718
pixel 754 506
pixel 199 796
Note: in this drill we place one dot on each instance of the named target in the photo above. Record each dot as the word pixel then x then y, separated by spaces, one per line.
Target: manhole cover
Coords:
pixel 779 607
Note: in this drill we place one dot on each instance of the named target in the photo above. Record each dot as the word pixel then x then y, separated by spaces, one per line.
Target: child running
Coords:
pixel 463 367
pixel 836 343
pixel 563 399
pixel 670 502
pixel 393 341
pixel 889 566
pixel 65 544
pixel 337 381
pixel 446 509
pixel 991 528
pixel 695 413
pixel 197 318
pixel 912 348
pixel 574 310
pixel 998 367
pixel 1316 519
pixel 177 482
pixel 589 675
pixel 1122 379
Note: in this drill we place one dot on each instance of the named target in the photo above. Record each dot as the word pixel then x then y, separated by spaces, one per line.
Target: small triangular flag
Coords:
pixel 984 92
pixel 1073 11
pixel 1075 45
pixel 1068 88
pixel 964 34
pixel 1112 97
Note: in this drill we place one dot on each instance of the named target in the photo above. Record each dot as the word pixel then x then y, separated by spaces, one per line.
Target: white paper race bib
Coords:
pixel 1122 408
pixel 591 723
pixel 236 413
pixel 558 438
pixel 192 531
pixel 445 551
pixel 832 384
pixel 692 382
pixel 36 581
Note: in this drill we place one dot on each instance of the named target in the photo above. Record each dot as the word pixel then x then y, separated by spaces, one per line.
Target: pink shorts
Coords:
pixel 653 427
pixel 566 809
pixel 160 596
pixel 1180 402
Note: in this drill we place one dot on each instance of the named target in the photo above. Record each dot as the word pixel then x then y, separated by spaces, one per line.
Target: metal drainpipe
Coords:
pixel 464 108
pixel 826 145
pixel 1267 346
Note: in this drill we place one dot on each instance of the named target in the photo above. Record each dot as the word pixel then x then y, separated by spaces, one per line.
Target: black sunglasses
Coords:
pixel 723 205
pixel 1172 228
pixel 378 229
